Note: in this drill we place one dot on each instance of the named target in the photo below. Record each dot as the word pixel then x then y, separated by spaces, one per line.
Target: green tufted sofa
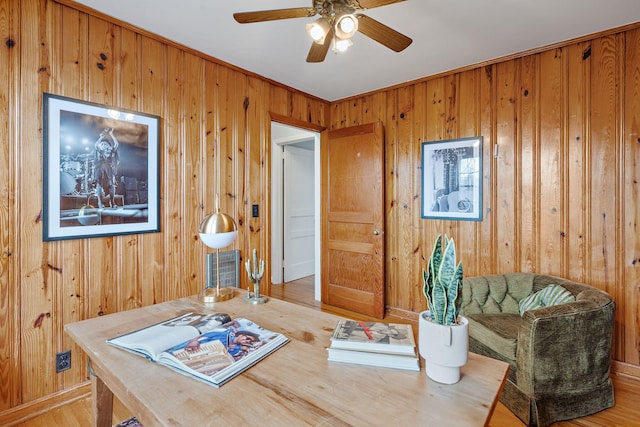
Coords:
pixel 559 356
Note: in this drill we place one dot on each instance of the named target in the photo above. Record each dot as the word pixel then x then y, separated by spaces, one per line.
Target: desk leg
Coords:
pixel 102 403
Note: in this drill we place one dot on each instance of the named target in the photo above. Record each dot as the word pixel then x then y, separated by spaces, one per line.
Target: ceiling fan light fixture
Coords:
pixel 341 45
pixel 318 30
pixel 346 26
pixel 337 22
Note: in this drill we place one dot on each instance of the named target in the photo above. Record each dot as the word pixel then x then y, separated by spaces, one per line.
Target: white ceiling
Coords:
pixel 447 34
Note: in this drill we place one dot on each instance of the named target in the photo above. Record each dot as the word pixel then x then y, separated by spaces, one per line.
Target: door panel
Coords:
pixel 299 213
pixel 353 219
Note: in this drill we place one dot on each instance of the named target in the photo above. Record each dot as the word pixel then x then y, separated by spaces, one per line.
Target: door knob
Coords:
pixel 377 232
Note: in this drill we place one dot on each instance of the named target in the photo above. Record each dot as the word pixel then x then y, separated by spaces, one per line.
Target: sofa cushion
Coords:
pixel 498 331
pixel 548 296
pixel 498 293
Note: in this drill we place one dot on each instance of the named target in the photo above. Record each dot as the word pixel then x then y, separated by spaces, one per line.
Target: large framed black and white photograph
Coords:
pixel 451 179
pixel 100 170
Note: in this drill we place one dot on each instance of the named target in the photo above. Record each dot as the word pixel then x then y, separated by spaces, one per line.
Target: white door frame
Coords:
pixel 293 135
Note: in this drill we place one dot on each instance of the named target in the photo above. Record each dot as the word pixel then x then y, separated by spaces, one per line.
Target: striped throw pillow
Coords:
pixel 551 295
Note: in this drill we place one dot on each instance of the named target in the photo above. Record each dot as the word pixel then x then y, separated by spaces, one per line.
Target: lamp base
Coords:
pixel 216 295
pixel 251 298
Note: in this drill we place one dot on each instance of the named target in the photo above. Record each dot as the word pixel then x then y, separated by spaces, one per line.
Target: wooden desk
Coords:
pixel 295 385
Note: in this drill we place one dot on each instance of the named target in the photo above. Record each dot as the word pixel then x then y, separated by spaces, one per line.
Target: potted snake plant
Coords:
pixel 443 335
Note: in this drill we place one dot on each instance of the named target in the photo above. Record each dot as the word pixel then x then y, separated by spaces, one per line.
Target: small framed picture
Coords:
pixel 451 179
pixel 100 170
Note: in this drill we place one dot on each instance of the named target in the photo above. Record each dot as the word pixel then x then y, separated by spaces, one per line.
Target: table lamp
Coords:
pixel 217 231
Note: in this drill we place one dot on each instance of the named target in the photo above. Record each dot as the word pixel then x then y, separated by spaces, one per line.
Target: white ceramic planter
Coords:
pixel 444 348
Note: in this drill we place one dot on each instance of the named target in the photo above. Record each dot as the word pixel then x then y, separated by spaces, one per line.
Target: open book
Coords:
pixel 210 347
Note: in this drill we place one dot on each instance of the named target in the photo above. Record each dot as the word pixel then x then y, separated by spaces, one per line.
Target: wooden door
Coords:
pixel 353 219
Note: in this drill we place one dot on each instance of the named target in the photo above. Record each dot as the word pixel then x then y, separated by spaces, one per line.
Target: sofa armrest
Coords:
pixel 565 347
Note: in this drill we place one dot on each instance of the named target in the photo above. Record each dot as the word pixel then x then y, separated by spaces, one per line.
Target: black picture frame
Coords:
pixel 100 170
pixel 452 179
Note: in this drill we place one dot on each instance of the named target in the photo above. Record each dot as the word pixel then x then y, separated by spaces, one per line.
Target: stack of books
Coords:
pixel 388 345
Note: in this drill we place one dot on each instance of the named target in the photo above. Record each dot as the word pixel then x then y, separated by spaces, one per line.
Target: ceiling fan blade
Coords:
pixel 318 52
pixel 383 34
pixel 370 4
pixel 272 15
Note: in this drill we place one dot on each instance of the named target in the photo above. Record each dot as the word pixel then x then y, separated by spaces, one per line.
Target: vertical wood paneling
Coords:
pixel 278 101
pixel 451 119
pixel 9 294
pixel 129 247
pixel 507 167
pixel 211 138
pixel 173 172
pixel 629 311
pixel 603 159
pixel 7 370
pixel 413 297
pixel 70 72
pixel 434 130
pixel 234 159
pixel 576 76
pixel 486 98
pixel 298 105
pixel 467 104
pixel 406 168
pixel 338 115
pixel 262 104
pixel 152 59
pixel 37 265
pixel 232 96
pixel 529 154
pixel 239 165
pixel 561 196
pixel 616 290
pixel 251 155
pixel 388 111
pixel 232 101
pixel 102 86
pixel 549 175
pixel 410 171
pixel 194 165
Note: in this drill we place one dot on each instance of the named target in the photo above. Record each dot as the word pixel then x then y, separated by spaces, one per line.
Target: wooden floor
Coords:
pixel 626 412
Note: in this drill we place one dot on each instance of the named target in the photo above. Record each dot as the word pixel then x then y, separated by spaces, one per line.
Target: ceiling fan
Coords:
pixel 337 23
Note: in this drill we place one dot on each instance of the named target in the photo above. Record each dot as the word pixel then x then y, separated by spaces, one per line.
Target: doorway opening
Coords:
pixel 295 201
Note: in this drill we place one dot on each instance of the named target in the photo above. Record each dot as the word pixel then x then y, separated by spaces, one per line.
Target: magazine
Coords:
pixel 210 347
pixel 377 337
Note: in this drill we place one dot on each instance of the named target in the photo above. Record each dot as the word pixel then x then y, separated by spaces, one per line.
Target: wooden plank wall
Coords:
pixel 215 138
pixel 562 194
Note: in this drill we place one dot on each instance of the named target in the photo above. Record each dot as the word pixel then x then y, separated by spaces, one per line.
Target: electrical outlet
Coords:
pixel 63 361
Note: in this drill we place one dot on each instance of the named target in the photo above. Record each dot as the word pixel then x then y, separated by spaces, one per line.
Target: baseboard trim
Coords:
pixel 625 370
pixel 22 413
pixel 410 316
